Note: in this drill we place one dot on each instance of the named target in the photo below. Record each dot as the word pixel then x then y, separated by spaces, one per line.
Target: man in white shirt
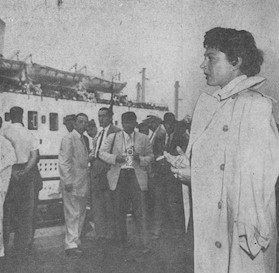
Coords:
pixel 22 196
pixel 128 152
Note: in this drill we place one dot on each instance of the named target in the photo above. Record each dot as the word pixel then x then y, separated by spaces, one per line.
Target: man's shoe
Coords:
pixel 73 252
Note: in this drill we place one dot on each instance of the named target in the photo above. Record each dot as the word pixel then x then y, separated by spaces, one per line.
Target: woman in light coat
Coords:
pixel 234 158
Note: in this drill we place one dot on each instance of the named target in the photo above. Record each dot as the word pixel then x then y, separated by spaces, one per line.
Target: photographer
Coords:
pixel 128 152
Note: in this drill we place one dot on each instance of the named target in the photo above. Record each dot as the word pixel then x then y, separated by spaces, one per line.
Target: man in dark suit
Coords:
pixel 129 153
pixel 168 190
pixel 101 194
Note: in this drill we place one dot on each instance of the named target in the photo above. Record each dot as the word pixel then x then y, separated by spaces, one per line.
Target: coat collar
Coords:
pixel 208 105
pixel 237 85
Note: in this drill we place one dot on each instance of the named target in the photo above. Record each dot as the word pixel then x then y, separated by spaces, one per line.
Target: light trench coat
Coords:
pixel 234 153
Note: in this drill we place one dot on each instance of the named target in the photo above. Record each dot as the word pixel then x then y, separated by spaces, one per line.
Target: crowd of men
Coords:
pixel 122 172
pixel 116 171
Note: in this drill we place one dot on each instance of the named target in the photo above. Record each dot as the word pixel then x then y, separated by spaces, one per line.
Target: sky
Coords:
pixel 124 36
pixel 113 36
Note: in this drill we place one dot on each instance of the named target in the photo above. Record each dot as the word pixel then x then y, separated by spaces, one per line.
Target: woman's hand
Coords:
pixel 180 165
pixel 184 174
pixel 178 161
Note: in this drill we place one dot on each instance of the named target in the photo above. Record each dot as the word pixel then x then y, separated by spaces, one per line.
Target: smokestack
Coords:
pixel 2 35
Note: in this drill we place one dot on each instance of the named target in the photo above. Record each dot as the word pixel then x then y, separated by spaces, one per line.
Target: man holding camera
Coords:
pixel 128 152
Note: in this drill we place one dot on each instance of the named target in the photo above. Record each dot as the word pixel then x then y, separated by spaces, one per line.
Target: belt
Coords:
pixel 128 170
pixel 19 165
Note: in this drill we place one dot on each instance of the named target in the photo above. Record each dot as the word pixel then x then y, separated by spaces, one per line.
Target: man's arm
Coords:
pixel 105 154
pixel 65 160
pixel 32 161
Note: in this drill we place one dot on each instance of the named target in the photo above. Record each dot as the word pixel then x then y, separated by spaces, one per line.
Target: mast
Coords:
pixel 2 35
pixel 143 84
pixel 176 98
pixel 138 87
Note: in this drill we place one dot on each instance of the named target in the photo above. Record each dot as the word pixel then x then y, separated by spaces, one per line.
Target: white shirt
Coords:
pixel 105 130
pixel 22 140
pixel 128 141
pixel 168 137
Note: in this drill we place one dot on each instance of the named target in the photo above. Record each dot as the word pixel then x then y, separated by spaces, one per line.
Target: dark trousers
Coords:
pixel 169 211
pixel 102 209
pixel 20 209
pixel 128 193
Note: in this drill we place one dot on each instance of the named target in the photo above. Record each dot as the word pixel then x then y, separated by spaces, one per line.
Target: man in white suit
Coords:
pixel 74 177
pixel 128 152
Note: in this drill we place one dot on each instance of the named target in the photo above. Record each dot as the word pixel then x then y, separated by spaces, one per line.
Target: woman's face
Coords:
pixel 217 69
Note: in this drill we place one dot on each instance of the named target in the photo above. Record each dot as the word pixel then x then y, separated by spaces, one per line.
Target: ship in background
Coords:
pixel 47 96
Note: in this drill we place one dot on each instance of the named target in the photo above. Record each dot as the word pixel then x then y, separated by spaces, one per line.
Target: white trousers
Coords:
pixel 74 212
pixel 2 199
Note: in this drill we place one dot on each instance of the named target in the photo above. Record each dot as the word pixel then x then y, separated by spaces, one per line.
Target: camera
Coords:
pixel 130 151
pixel 130 156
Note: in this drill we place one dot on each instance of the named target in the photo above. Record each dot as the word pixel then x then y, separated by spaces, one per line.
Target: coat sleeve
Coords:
pixel 106 148
pixel 147 158
pixel 65 160
pixel 259 169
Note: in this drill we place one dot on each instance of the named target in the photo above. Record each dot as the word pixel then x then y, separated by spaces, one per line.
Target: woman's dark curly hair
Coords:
pixel 236 43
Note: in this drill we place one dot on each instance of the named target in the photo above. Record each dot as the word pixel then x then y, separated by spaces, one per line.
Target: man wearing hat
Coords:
pixel 69 121
pixel 25 184
pixel 128 152
pixel 74 180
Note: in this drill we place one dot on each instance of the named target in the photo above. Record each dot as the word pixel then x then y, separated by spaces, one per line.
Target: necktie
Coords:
pixel 168 140
pixel 130 141
pixel 100 143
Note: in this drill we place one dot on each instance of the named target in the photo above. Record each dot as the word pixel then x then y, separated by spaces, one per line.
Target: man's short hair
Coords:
pixel 16 112
pixel 109 111
pixel 81 115
pixel 128 116
pixel 169 117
